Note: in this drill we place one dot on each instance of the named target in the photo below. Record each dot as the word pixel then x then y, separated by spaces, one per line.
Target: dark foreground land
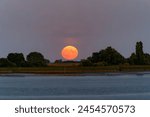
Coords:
pixel 73 69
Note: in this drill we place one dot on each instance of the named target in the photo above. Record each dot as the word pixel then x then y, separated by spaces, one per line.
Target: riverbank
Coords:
pixel 73 69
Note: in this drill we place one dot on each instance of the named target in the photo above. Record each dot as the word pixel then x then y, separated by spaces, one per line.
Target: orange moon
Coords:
pixel 69 52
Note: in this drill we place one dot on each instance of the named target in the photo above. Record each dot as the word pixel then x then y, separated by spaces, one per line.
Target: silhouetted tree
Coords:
pixel 108 56
pixel 6 63
pixel 17 58
pixel 111 56
pixel 36 59
pixel 133 59
pixel 146 59
pixel 139 53
pixel 86 62
pixel 139 57
pixel 95 57
pixel 47 61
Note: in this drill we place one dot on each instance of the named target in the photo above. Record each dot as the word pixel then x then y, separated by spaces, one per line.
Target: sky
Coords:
pixel 47 26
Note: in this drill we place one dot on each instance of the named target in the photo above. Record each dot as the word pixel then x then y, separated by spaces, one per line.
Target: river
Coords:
pixel 109 86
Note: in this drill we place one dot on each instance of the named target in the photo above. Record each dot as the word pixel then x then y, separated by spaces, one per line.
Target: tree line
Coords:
pixel 104 57
pixel 33 59
pixel 110 56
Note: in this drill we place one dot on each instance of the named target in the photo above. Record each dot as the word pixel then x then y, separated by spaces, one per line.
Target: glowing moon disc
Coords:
pixel 69 52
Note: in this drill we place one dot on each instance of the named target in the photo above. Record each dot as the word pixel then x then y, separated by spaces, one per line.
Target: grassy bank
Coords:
pixel 56 69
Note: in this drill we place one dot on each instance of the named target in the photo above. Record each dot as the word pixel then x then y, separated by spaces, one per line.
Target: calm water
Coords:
pixel 108 86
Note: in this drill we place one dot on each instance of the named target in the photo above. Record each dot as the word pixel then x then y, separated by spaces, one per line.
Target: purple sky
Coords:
pixel 90 25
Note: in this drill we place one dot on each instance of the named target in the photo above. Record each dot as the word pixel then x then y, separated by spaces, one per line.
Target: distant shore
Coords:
pixel 64 70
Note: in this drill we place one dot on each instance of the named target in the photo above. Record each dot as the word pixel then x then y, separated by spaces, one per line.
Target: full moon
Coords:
pixel 69 52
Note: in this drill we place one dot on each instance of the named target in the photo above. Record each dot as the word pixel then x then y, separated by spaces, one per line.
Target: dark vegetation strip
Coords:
pixel 74 69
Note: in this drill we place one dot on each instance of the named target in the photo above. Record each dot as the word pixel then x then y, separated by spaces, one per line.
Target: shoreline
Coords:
pixel 77 70
pixel 21 72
